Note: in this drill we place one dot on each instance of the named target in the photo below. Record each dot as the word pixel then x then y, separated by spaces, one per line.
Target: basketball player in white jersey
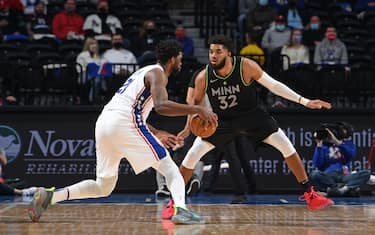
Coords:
pixel 121 131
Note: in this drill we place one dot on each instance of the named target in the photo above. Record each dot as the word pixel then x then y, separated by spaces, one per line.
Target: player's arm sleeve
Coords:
pixel 281 89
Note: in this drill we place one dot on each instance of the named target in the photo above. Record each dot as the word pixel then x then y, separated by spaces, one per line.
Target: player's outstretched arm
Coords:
pixel 251 70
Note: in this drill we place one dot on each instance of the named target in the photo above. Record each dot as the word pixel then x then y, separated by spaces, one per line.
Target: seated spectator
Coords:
pixel 331 51
pixel 333 156
pixel 295 50
pixel 38 24
pixel 90 62
pixel 6 94
pixel 245 9
pixel 294 16
pixel 260 19
pixel 11 22
pixel 252 50
pixel 314 32
pixel 29 6
pixel 364 5
pixel 68 24
pixel 282 6
pixel 186 42
pixel 102 23
pixel 6 189
pixel 146 40
pixel 118 55
pixel 276 37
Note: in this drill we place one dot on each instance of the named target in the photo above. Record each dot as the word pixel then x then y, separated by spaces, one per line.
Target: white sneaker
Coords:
pixel 29 191
pixel 371 181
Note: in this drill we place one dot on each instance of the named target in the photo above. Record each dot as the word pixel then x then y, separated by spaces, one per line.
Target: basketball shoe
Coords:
pixel 186 216
pixel 315 201
pixel 41 200
pixel 168 210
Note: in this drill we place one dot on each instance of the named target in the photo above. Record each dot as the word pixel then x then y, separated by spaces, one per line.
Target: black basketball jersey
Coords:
pixel 229 96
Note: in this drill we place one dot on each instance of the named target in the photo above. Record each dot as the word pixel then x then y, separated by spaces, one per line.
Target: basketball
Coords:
pixel 197 127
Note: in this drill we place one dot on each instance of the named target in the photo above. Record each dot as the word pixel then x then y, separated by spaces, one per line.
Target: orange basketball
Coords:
pixel 197 127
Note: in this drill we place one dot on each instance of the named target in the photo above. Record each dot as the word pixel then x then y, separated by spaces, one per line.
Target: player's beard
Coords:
pixel 220 65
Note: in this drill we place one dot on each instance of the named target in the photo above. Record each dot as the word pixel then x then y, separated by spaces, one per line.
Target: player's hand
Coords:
pixel 167 139
pixel 184 133
pixel 209 117
pixel 318 104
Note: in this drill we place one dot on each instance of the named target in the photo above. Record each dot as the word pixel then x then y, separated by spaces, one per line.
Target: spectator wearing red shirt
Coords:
pixel 68 24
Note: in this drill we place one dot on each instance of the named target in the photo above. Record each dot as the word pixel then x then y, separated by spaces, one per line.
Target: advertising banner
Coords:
pixel 56 147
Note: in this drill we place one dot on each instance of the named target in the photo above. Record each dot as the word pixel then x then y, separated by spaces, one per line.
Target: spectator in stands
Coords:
pixel 11 22
pixel 102 23
pixel 245 9
pixel 297 52
pixel 282 6
pixel 260 19
pixel 294 15
pixel 6 189
pixel 118 55
pixel 68 24
pixel 252 50
pixel 276 37
pixel 16 5
pixel 146 40
pixel 333 156
pixel 38 25
pixel 29 6
pixel 186 42
pixel 331 51
pixel 314 32
pixel 364 5
pixel 6 96
pixel 90 61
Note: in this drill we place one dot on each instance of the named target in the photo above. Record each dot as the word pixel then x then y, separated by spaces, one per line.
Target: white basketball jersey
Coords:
pixel 133 97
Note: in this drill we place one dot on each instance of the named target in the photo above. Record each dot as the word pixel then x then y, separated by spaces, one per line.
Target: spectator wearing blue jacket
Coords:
pixel 332 157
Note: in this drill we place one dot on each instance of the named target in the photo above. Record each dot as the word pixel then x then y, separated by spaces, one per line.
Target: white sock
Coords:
pixel 59 195
pixel 102 187
pixel 174 180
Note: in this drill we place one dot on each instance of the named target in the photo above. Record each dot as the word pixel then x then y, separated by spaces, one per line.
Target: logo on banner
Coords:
pixel 10 141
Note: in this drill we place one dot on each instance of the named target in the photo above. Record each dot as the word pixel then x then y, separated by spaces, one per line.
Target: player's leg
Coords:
pixel 281 142
pixel 109 141
pixel 195 153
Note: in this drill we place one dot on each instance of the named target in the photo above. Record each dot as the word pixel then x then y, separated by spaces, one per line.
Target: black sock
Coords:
pixel 306 186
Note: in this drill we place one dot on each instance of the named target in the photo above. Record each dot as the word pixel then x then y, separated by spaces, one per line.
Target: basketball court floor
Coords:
pixel 140 214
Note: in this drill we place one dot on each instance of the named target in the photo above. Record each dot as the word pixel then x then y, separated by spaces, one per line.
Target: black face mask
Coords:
pixel 150 31
pixel 117 45
pixel 102 10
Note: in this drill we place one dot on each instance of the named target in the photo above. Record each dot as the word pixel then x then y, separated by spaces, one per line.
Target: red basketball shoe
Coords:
pixel 168 211
pixel 315 201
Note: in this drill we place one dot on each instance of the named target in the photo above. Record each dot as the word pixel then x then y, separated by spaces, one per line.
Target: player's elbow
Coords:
pixel 161 108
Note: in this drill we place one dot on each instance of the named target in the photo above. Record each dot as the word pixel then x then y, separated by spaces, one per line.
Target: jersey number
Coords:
pixel 227 101
pixel 125 85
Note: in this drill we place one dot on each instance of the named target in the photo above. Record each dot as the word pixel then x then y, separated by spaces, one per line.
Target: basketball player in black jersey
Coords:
pixel 229 81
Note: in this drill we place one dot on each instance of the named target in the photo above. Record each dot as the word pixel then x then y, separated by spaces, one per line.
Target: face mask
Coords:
pixel 102 10
pixel 117 45
pixel 150 31
pixel 314 26
pixel 280 27
pixel 331 35
pixel 263 2
pixel 180 34
pixel 297 39
pixel 93 48
pixel 70 10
